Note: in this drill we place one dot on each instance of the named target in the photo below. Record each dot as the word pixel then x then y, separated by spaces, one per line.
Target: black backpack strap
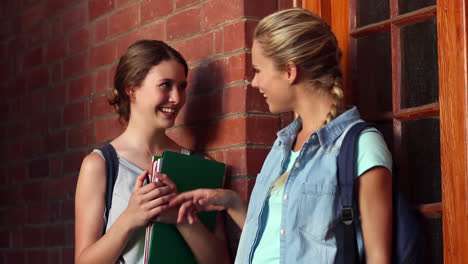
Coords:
pixel 346 168
pixel 112 170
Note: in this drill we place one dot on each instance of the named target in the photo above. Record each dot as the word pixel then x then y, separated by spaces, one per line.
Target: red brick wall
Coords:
pixel 57 59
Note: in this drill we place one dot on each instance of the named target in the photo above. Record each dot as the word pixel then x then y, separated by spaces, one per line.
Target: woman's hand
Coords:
pixel 148 201
pixel 169 215
pixel 198 200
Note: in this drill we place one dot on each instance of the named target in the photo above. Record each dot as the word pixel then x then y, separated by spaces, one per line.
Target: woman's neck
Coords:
pixel 313 107
pixel 146 138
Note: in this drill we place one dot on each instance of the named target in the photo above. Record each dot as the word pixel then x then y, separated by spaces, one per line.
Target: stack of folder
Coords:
pixel 163 243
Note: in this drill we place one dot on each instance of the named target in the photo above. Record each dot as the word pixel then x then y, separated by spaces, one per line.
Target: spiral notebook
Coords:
pixel 163 243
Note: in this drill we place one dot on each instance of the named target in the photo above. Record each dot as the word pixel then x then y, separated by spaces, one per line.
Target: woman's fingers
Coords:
pixel 140 180
pixel 183 211
pixel 166 180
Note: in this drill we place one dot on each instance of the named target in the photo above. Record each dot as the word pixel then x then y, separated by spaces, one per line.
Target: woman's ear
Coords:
pixel 293 72
pixel 130 91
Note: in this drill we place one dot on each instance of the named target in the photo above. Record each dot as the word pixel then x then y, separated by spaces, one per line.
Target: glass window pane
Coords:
pixel 420 169
pixel 371 11
pixel 405 6
pixel 374 73
pixel 419 66
pixel 434 253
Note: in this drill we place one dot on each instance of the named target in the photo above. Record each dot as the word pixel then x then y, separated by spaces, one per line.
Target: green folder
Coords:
pixel 188 173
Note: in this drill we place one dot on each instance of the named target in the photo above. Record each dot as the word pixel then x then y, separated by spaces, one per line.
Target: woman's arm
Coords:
pixel 145 203
pixel 374 193
pixel 206 246
pixel 210 200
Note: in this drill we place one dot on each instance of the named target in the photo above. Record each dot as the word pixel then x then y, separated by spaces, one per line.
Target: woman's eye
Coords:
pixel 165 85
pixel 183 87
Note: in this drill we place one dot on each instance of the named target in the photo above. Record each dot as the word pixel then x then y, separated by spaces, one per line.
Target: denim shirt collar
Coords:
pixel 326 134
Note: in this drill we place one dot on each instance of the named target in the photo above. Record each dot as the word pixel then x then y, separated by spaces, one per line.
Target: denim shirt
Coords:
pixel 311 206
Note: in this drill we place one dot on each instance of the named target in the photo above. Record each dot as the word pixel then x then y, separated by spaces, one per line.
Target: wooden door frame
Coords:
pixel 452 27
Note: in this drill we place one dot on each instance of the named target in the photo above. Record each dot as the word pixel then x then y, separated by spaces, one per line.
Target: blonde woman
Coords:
pixel 294 208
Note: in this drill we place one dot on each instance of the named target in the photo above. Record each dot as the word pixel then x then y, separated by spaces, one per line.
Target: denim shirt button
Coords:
pixel 314 136
pixel 297 165
pixel 285 197
pixel 282 231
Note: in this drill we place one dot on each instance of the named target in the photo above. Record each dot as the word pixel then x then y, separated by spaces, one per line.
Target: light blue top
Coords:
pixel 310 205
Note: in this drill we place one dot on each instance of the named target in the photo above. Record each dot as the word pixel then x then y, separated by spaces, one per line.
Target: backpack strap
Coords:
pixel 346 168
pixel 112 170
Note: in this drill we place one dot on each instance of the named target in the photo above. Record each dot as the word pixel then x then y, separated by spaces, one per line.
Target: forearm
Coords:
pixel 207 248
pixel 109 247
pixel 238 212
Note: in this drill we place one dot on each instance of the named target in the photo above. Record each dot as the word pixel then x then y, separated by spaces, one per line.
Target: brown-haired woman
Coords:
pixel 149 91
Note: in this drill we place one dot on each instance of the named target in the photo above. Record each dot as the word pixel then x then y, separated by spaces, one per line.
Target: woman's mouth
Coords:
pixel 168 111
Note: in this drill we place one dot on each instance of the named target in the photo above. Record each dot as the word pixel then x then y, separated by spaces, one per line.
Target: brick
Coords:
pixel 56 119
pixel 101 81
pixel 37 256
pixel 265 128
pixel 56 26
pixel 6 196
pixel 205 77
pixel 64 187
pixel 235 99
pixel 55 235
pixel 56 95
pixel 72 162
pixel 126 2
pixel 38 213
pixel 38 78
pixel 242 186
pixel 33 102
pixel 17 173
pixel 53 7
pixel 70 239
pixel 75 113
pixel 16 215
pixel 57 72
pixel 54 256
pixel 76 64
pixel 4 239
pixel 212 16
pixel 285 4
pixel 124 19
pixel 33 16
pixel 32 192
pixel 38 123
pixel 104 54
pixel 256 102
pixel 75 17
pixel 33 237
pixel 80 40
pixel 54 211
pixel 260 8
pixel 106 129
pixel 201 107
pixel 151 31
pixel 204 44
pixel 33 147
pixel 81 87
pixel 239 35
pixel 8 8
pixel 154 9
pixel 31 60
pixel 19 87
pixel 100 30
pixel 235 159
pixel 237 68
pixel 39 169
pixel 16 130
pixel 100 130
pixel 219 41
pixel 68 210
pixel 100 106
pixel 184 24
pixel 55 49
pixel 286 119
pixel 255 159
pixel 182 3
pixel 80 136
pixel 115 128
pixel 68 255
pixel 56 166
pixel 15 256
pixel 98 8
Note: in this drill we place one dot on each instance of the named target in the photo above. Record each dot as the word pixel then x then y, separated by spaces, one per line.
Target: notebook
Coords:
pixel 163 243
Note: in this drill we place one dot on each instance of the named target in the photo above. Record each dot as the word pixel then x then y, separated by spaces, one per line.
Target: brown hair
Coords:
pixel 299 36
pixel 133 67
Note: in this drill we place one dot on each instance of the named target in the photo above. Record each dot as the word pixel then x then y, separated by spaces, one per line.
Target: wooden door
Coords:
pixel 405 66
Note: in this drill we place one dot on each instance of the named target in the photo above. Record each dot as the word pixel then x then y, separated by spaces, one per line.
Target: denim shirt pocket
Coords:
pixel 317 210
